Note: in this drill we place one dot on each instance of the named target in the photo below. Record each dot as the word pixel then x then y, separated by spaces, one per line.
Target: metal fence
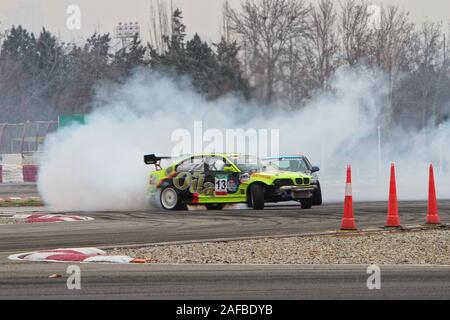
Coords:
pixel 24 137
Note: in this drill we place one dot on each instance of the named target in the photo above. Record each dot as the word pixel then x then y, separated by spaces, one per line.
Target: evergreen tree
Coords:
pixel 46 73
pixel 97 50
pixel 19 43
pixel 16 60
pixel 176 41
pixel 131 57
pixel 48 52
pixel 213 74
pixel 201 65
pixel 229 74
pixel 175 57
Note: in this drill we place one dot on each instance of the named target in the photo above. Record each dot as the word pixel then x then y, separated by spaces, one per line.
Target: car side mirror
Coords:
pixel 315 169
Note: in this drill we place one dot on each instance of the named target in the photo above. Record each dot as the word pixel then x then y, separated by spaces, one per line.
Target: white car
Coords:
pixel 300 164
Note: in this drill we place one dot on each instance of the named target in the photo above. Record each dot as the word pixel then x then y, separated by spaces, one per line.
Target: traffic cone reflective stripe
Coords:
pixel 433 212
pixel 348 220
pixel 393 219
pixel 348 190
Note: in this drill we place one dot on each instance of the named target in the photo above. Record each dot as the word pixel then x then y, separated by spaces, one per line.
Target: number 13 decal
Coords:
pixel 221 183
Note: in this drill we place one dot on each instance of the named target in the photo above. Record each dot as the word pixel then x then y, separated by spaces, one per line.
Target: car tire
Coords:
pixel 306 203
pixel 257 196
pixel 215 206
pixel 317 195
pixel 170 199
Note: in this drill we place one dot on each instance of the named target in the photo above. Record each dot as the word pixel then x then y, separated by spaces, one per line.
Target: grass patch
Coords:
pixel 21 203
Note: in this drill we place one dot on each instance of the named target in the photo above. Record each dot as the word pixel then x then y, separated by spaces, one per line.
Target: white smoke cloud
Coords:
pixel 99 165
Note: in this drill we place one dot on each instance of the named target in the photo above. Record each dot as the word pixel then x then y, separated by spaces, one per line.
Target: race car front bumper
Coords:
pixel 298 192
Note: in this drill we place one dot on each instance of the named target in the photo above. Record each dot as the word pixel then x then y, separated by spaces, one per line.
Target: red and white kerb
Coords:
pixel 81 255
pixel 39 217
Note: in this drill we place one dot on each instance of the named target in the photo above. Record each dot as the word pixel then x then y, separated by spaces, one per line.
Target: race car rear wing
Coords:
pixel 155 160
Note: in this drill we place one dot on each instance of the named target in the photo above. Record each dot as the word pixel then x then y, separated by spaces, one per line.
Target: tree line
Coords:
pixel 42 77
pixel 292 48
pixel 276 52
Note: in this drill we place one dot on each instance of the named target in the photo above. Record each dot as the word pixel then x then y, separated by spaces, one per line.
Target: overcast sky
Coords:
pixel 201 16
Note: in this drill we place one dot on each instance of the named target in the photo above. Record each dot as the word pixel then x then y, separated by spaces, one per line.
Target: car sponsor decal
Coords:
pixel 261 176
pixel 233 185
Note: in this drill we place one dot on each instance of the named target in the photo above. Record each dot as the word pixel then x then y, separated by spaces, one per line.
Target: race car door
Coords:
pixel 226 183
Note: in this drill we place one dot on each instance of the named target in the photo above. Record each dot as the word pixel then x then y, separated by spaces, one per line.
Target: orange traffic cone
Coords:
pixel 433 212
pixel 393 219
pixel 348 220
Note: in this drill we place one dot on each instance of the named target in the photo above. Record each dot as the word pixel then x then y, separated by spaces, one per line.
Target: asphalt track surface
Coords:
pixel 31 280
pixel 159 226
pixel 110 229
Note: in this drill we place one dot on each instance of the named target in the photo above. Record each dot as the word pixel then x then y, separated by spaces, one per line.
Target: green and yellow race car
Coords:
pixel 215 180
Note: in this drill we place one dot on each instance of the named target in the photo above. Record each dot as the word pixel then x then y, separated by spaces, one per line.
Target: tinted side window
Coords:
pixel 191 164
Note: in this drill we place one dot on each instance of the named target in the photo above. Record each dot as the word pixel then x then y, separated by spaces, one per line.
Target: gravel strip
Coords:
pixel 21 203
pixel 421 247
pixel 5 221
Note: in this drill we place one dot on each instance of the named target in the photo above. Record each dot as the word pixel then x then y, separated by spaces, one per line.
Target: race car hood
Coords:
pixel 280 175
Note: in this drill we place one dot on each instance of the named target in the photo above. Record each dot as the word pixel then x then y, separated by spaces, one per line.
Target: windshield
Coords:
pixel 291 164
pixel 247 163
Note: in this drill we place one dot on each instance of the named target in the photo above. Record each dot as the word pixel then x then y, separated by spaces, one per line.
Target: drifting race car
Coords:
pixel 300 164
pixel 218 179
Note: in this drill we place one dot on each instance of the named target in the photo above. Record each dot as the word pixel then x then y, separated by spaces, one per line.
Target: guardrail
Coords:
pixel 11 173
pixel 24 137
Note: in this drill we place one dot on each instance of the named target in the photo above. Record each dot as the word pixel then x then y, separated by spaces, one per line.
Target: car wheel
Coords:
pixel 306 203
pixel 170 199
pixel 215 206
pixel 257 196
pixel 317 195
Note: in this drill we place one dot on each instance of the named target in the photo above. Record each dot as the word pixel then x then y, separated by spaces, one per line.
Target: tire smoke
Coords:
pixel 99 165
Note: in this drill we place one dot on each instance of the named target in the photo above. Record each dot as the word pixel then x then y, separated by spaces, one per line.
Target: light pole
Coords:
pixel 127 31
pixel 379 150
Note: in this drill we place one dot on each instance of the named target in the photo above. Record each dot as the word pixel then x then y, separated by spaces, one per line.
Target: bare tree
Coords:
pixel 392 50
pixel 225 30
pixel 160 26
pixel 355 29
pixel 265 29
pixel 430 36
pixel 323 42
pixel 295 73
pixel 430 46
pixel 393 41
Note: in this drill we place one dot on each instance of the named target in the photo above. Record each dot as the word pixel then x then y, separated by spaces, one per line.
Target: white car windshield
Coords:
pixel 291 164
pixel 247 163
